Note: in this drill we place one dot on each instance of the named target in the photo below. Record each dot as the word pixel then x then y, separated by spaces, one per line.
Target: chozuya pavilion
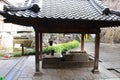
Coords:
pixel 63 16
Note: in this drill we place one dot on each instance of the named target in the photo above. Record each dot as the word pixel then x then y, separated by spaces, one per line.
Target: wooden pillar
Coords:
pixel 22 49
pixel 40 45
pixel 96 54
pixel 37 42
pixel 82 42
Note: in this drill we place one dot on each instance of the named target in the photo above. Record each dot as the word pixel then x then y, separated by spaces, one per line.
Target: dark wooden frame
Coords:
pixel 66 28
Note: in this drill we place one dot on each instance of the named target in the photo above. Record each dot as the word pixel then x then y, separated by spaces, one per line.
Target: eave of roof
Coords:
pixel 6 2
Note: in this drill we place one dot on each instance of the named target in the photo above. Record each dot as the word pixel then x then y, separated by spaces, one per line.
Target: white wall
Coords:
pixel 9 27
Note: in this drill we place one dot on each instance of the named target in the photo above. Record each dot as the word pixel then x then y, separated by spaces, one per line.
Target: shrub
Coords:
pixel 58 48
pixel 1 55
pixel 17 54
pixel 29 53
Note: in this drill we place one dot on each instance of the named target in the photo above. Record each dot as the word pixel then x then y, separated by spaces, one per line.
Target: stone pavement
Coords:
pixel 23 68
pixel 108 52
pixel 109 55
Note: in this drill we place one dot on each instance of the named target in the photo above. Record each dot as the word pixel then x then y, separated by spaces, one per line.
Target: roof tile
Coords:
pixel 69 9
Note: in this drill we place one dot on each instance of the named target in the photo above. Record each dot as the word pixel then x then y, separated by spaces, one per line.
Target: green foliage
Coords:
pixel 17 54
pixel 61 47
pixel 1 55
pixel 58 48
pixel 2 78
pixel 29 53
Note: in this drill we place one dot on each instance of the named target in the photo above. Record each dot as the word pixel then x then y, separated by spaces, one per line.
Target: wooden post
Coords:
pixel 96 54
pixel 40 45
pixel 82 42
pixel 37 51
pixel 22 49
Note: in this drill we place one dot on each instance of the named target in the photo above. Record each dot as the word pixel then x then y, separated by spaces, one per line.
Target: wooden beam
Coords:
pixel 96 54
pixel 62 28
pixel 37 51
pixel 82 42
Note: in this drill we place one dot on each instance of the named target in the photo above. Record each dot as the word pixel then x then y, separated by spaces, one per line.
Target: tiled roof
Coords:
pixel 66 9
pixel 6 2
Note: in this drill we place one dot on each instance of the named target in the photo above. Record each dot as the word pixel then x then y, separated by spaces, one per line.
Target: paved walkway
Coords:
pixel 108 52
pixel 25 69
pixel 109 55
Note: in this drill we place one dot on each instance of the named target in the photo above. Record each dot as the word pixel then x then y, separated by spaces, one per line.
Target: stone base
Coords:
pixel 74 59
pixel 80 56
pixel 38 73
pixel 67 64
pixel 59 63
pixel 95 71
